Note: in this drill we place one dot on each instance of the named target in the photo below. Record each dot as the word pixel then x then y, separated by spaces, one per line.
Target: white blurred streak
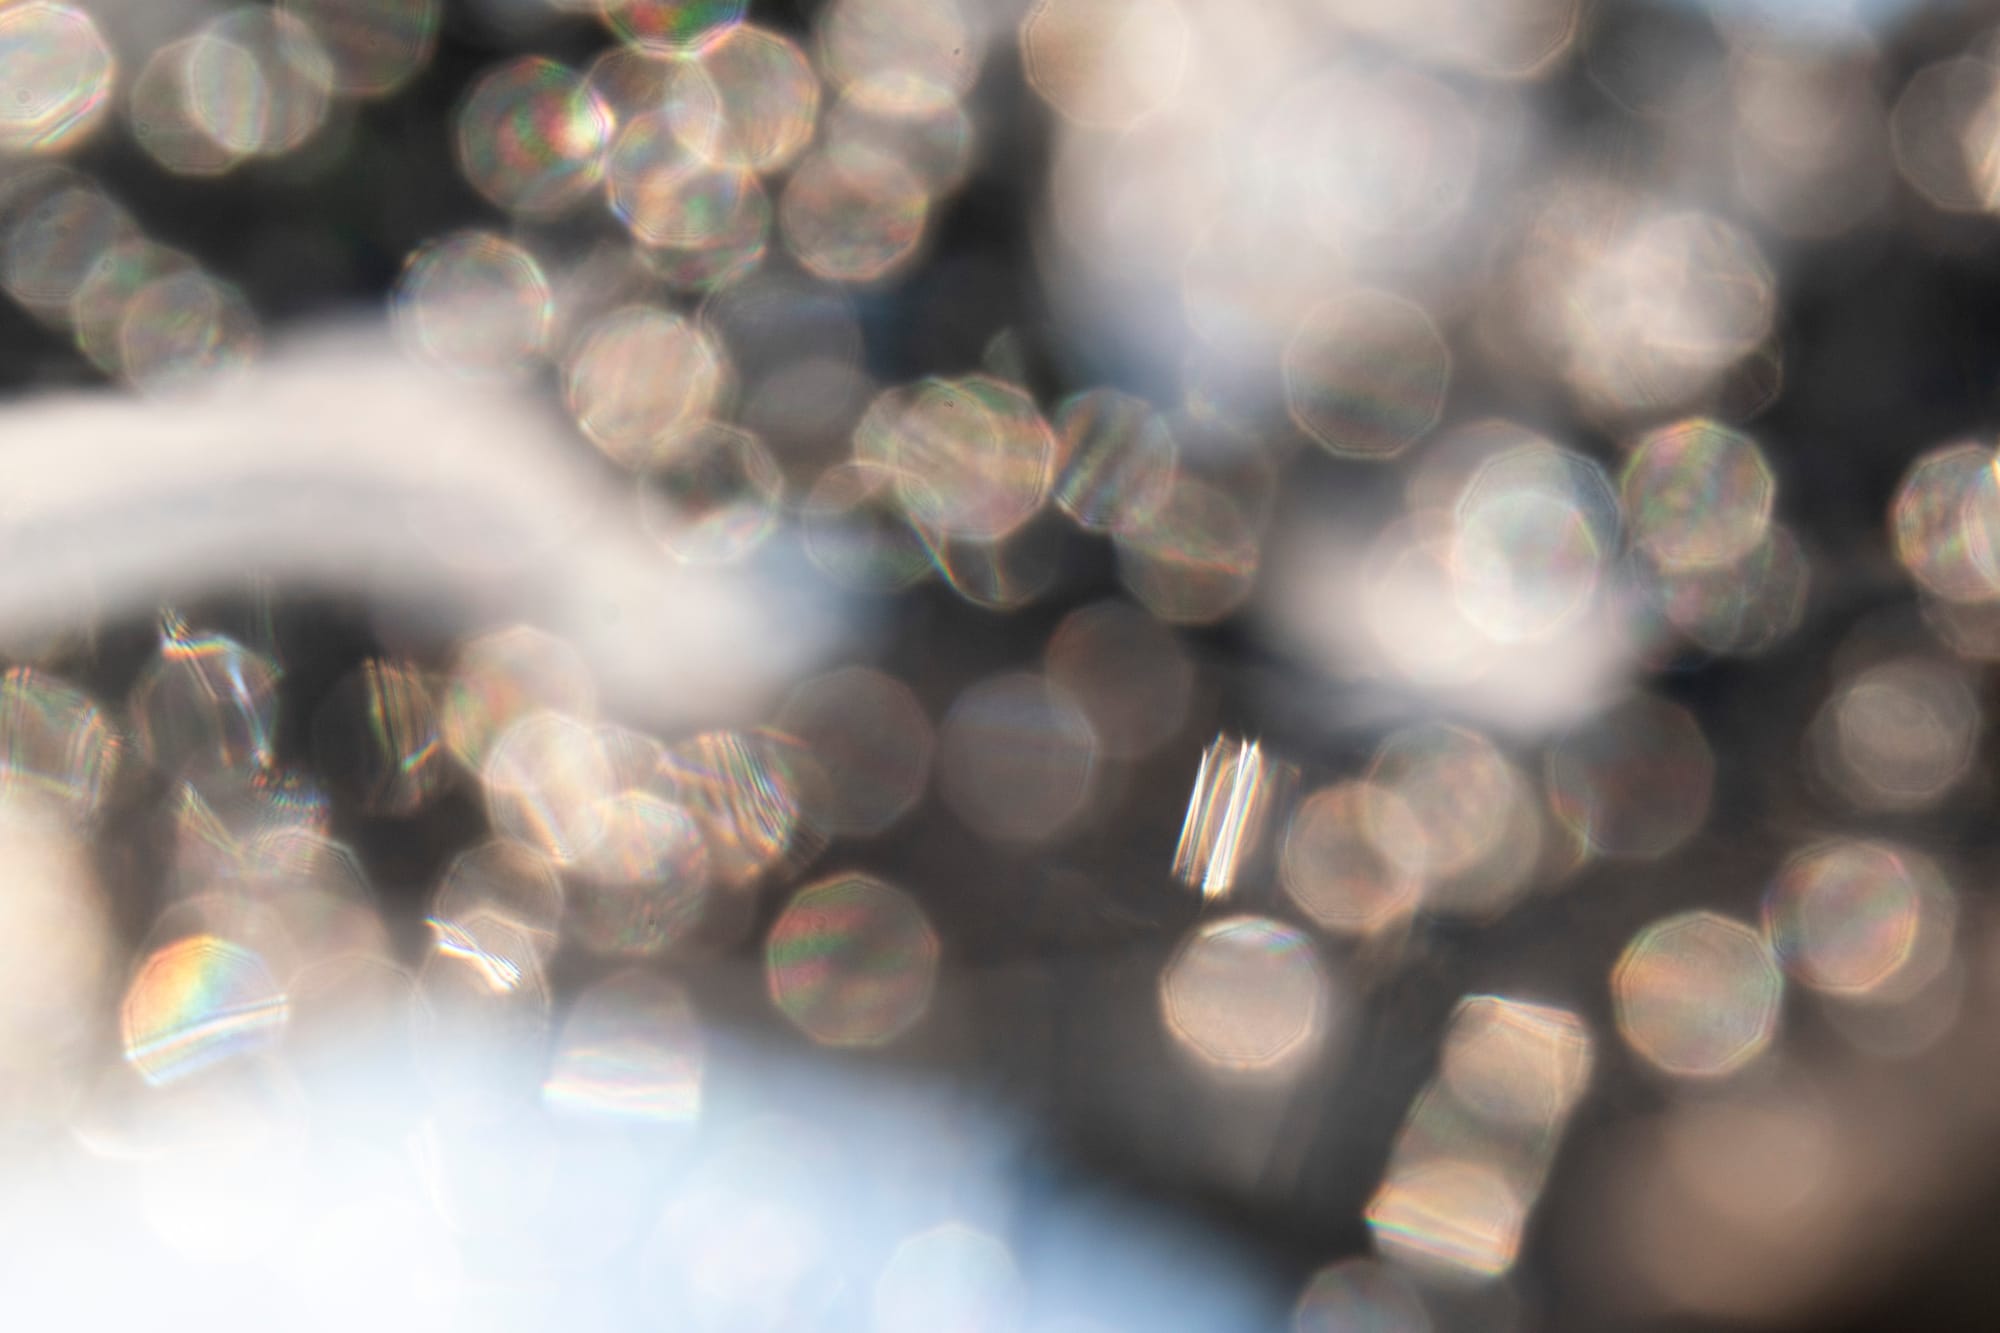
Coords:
pixel 339 465
pixel 1324 599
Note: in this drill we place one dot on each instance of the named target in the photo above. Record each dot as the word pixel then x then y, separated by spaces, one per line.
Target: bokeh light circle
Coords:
pixel 1698 495
pixel 531 137
pixel 1697 995
pixel 1336 863
pixel 641 381
pixel 1844 915
pixel 853 214
pixel 1635 781
pixel 1366 374
pixel 476 303
pixel 1246 995
pixel 196 1002
pixel 668 27
pixel 1015 758
pixel 59 77
pixel 851 961
pixel 715 498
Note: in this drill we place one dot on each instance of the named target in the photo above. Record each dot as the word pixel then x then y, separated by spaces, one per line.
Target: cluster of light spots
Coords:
pixel 1475 1151
pixel 1635 781
pixel 1194 559
pixel 851 961
pixel 1898 735
pixel 121 272
pixel 531 137
pixel 1697 995
pixel 1533 531
pixel 256 867
pixel 508 881
pixel 1016 756
pixel 747 99
pixel 951 1276
pixel 971 457
pixel 902 55
pixel 223 827
pixel 895 140
pixel 642 886
pixel 726 245
pixel 1347 858
pixel 1237 790
pixel 935 140
pixel 500 677
pixel 631 83
pixel 55 228
pixel 1844 915
pixel 1105 63
pixel 666 193
pixel 669 27
pixel 714 498
pixel 870 738
pixel 630 1050
pixel 73 258
pixel 377 735
pixel 256 82
pixel 475 303
pixel 747 793
pixel 162 121
pixel 855 531
pixel 1698 495
pixel 999 576
pixel 1366 374
pixel 641 381
pixel 1127 672
pixel 1742 609
pixel 1118 460
pixel 58 225
pixel 546 778
pixel 56 745
pixel 1480 835
pixel 195 1003
pixel 1359 1296
pixel 1247 996
pixel 184 329
pixel 853 213
pixel 1641 312
pixel 206 707
pixel 375 46
pixel 1935 527
pixel 59 77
